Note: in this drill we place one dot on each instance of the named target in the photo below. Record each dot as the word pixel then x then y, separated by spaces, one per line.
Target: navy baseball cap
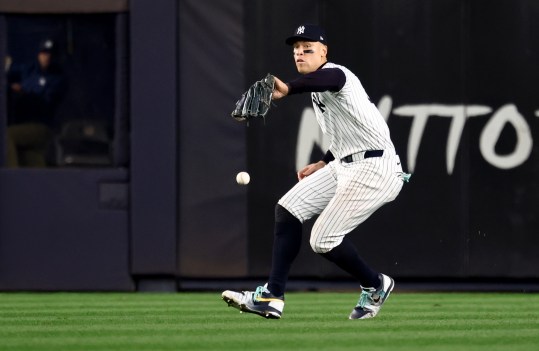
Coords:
pixel 47 45
pixel 308 32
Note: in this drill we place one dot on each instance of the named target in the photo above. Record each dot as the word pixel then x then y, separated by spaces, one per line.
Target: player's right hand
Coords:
pixel 310 169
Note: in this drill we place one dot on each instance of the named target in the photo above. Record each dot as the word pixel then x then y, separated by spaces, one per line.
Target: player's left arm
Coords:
pixel 327 79
pixel 280 89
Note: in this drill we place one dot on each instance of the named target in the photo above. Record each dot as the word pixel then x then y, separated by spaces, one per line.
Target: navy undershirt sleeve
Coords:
pixel 328 79
pixel 328 157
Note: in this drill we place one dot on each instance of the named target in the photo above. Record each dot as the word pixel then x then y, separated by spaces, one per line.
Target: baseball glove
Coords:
pixel 256 101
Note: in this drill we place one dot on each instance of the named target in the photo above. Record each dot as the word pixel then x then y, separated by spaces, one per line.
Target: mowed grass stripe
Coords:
pixel 201 321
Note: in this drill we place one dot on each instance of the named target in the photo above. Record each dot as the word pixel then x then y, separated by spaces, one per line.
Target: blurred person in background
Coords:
pixel 34 92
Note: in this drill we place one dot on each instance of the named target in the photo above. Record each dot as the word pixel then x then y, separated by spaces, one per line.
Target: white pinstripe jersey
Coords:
pixel 350 119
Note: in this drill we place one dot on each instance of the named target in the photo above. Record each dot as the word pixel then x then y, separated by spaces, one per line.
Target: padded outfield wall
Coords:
pixel 455 80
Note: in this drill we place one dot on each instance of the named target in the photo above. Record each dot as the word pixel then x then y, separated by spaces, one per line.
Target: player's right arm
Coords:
pixel 313 167
pixel 310 169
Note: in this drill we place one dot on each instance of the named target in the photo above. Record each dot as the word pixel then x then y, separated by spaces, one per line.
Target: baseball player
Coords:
pixel 359 173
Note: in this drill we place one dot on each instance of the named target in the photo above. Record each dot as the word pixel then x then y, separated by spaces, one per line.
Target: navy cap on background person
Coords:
pixel 308 32
pixel 47 45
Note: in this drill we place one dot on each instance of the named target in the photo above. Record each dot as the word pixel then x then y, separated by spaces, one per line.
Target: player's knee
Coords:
pixel 283 215
pixel 319 246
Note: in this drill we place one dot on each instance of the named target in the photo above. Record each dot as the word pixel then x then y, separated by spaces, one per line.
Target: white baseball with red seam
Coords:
pixel 243 178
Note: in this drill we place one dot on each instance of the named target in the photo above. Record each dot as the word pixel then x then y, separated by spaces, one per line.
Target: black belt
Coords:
pixel 362 155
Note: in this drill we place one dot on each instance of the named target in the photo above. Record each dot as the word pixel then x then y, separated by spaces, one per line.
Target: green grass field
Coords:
pixel 312 321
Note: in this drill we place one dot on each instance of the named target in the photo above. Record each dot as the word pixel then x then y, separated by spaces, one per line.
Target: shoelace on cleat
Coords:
pixel 366 298
pixel 258 292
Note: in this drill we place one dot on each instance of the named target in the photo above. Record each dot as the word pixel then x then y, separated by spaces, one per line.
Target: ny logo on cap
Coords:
pixel 301 30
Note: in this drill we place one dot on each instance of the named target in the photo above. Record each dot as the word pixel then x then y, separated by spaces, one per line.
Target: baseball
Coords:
pixel 243 178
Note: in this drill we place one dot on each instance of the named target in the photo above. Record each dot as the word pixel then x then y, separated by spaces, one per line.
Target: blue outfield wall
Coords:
pixel 454 80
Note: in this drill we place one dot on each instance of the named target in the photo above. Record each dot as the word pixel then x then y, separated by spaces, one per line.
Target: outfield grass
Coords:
pixel 312 321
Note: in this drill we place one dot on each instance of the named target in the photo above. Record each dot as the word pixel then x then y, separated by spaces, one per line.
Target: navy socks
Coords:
pixel 347 258
pixel 286 246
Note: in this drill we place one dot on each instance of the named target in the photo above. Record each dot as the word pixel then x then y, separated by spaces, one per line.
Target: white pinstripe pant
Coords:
pixel 345 195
